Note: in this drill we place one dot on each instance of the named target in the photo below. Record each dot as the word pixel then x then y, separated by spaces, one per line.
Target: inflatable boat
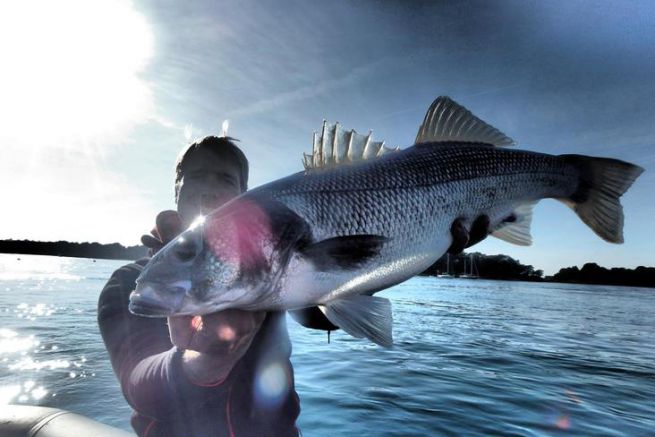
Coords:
pixel 29 421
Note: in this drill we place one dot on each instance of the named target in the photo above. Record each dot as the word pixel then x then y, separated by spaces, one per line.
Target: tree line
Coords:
pixel 486 266
pixel 77 250
pixel 507 268
pixel 592 273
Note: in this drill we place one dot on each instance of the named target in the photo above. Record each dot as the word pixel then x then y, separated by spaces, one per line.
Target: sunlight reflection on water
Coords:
pixel 11 343
pixel 47 335
pixel 36 268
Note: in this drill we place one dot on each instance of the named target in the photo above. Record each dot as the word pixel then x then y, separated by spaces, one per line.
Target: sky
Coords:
pixel 98 98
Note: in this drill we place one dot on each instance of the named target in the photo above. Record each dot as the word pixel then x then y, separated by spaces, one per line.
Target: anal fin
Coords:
pixel 517 231
pixel 362 317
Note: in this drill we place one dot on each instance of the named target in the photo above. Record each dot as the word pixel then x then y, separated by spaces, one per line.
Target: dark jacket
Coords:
pixel 257 398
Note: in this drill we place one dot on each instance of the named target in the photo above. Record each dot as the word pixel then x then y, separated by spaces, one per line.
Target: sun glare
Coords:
pixel 70 68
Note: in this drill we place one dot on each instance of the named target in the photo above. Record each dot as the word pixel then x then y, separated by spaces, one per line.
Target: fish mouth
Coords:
pixel 141 306
pixel 160 300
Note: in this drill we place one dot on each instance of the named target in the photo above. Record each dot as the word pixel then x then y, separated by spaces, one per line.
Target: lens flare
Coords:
pixel 563 422
pixel 272 383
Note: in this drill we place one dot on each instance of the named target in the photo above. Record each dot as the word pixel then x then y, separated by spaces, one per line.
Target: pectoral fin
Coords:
pixel 346 252
pixel 362 316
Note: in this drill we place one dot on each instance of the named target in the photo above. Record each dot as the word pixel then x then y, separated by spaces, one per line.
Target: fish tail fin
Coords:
pixel 596 200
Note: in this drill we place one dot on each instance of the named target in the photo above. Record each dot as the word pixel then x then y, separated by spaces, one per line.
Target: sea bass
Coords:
pixel 363 217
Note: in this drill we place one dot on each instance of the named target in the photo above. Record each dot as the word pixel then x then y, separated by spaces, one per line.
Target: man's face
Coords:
pixel 208 181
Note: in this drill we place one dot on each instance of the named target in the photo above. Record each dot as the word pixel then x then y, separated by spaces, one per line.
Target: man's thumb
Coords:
pixel 169 225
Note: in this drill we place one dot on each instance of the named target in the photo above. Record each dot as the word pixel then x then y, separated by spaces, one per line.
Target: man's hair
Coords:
pixel 224 147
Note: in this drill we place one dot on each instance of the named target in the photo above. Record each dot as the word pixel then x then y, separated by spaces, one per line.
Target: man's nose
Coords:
pixel 210 178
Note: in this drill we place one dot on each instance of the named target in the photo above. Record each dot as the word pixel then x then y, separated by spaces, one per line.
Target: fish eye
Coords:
pixel 185 249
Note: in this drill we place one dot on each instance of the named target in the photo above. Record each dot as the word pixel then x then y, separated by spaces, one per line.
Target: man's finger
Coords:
pixel 169 224
pixel 151 242
pixel 312 318
pixel 479 230
pixel 460 237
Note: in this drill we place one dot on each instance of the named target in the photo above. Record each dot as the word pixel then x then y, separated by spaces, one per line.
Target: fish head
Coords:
pixel 222 261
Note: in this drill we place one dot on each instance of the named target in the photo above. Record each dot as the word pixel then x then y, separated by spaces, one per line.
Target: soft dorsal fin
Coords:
pixel 335 146
pixel 517 231
pixel 447 120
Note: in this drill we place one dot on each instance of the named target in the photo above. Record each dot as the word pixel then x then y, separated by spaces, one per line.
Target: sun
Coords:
pixel 70 69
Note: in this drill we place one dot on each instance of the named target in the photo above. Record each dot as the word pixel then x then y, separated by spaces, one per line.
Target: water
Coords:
pixel 470 357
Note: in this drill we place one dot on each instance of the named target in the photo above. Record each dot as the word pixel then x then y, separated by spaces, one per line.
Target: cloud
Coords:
pixel 314 89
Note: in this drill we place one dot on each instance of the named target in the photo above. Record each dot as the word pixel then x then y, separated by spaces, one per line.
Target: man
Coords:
pixel 206 375
pixel 184 380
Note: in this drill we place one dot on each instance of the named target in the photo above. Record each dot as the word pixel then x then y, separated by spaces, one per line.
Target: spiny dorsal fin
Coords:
pixel 447 120
pixel 334 146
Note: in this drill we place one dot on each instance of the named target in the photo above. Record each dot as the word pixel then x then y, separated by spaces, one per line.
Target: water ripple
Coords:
pixel 471 358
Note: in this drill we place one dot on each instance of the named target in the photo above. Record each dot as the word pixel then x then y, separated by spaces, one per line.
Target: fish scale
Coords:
pixel 436 182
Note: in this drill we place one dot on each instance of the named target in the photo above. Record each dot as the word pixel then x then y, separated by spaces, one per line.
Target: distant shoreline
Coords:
pixel 495 267
pixel 75 250
pixel 550 280
pixel 506 268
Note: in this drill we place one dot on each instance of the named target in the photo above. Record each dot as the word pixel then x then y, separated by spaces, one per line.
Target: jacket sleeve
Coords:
pixel 134 343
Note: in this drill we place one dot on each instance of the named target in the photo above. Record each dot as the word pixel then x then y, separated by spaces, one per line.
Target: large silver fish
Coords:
pixel 362 218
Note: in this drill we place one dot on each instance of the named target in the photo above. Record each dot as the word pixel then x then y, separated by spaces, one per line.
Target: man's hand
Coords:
pixel 312 318
pixel 168 226
pixel 214 343
pixel 463 238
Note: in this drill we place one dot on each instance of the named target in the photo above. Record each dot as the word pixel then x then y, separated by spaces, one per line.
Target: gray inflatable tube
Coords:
pixel 27 421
